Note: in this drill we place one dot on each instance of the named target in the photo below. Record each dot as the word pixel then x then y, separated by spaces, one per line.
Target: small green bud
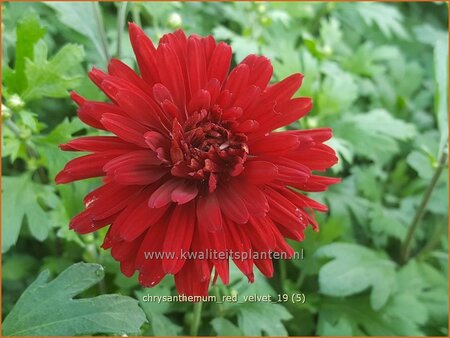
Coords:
pixel 15 102
pixel 265 20
pixel 25 134
pixel 6 112
pixel 174 20
pixel 327 50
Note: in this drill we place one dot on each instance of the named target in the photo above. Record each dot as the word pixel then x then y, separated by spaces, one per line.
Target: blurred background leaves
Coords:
pixel 377 73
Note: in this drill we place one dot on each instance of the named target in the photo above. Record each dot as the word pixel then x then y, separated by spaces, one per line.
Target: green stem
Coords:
pixel 197 318
pixel 101 29
pixel 406 247
pixel 32 153
pixel 136 14
pixel 121 17
pixel 282 263
pixel 218 300
pixel 434 241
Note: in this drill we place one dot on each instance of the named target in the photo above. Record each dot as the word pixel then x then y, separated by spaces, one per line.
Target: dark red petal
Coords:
pixel 259 172
pixel 140 220
pixel 201 99
pixel 173 74
pixel 145 54
pixel 275 144
pixel 86 166
pixel 184 193
pixel 143 158
pixel 138 175
pixel 119 69
pixel 241 244
pixel 209 216
pixel 254 198
pixel 220 62
pixel 189 282
pixel 232 205
pixel 286 113
pixel 260 70
pixel 163 195
pixel 126 128
pixel 178 237
pixel 97 144
pixel 237 81
pixel 285 88
pixel 109 199
pixel 196 65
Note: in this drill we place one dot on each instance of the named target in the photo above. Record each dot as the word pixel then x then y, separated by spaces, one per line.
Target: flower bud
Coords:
pixel 174 20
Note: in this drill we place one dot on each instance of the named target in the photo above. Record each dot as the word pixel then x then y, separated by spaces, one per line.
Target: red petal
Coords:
pixel 119 69
pixel 232 205
pixel 178 237
pixel 285 88
pixel 275 143
pixel 220 62
pixel 196 65
pixel 209 216
pixel 145 54
pixel 86 166
pixel 173 74
pixel 259 172
pixel 127 129
pixel 96 144
pixel 184 193
pixel 260 70
pixel 163 195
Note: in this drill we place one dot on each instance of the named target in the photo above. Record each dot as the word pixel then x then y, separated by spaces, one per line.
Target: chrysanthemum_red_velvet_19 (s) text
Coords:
pixel 191 161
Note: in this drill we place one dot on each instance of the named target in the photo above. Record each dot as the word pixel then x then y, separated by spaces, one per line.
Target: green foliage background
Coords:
pixel 378 76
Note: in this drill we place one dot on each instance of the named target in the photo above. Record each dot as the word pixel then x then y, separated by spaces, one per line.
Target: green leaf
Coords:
pixel 20 197
pixel 338 91
pixel 48 308
pixel 354 269
pixel 224 327
pixel 54 77
pixel 28 31
pixel 18 267
pixel 375 134
pixel 256 318
pixel 441 93
pixel 82 18
pixel 385 16
pixel 339 314
pixel 160 324
pixel 420 163
pixel 344 200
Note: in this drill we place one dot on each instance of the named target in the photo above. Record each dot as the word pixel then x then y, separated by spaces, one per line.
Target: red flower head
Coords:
pixel 194 165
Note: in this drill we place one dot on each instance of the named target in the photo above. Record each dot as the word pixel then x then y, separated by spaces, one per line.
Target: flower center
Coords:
pixel 206 149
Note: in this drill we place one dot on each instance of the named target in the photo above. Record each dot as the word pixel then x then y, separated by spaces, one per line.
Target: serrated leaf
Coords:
pixel 374 134
pixel 344 200
pixel 363 319
pixel 155 312
pixel 28 32
pixel 385 16
pixel 20 199
pixel 82 18
pixel 354 269
pixel 224 327
pixel 338 91
pixel 52 78
pixel 256 318
pixel 48 308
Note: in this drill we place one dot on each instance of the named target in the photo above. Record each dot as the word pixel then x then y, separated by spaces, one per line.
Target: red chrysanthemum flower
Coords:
pixel 195 164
